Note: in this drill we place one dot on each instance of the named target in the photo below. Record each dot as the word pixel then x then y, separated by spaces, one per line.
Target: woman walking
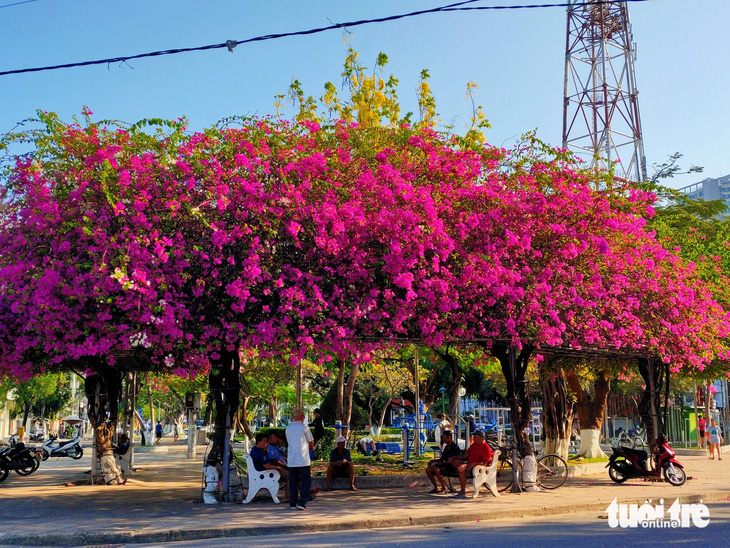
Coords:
pixel 715 434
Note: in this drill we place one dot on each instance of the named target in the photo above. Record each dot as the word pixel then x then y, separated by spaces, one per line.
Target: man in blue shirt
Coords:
pixel 260 454
pixel 276 456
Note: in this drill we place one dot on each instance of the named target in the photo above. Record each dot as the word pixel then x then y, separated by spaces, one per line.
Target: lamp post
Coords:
pixel 442 390
pixel 462 394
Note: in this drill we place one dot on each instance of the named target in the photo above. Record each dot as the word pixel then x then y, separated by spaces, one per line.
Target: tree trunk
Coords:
pixel 384 412
pixel 455 372
pixel 26 413
pixel 557 412
pixel 225 385
pixel 340 407
pixel 519 402
pixel 243 420
pixel 347 397
pixel 273 410
pixel 590 412
pixel 103 392
pixel 652 371
pixel 152 405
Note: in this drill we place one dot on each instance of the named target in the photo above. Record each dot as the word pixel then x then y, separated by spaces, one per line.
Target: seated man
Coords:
pixel 366 446
pixel 276 454
pixel 341 465
pixel 443 465
pixel 479 453
pixel 123 445
pixel 277 458
pixel 260 457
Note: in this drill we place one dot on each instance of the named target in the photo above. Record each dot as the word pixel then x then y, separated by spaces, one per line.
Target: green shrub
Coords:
pixel 326 444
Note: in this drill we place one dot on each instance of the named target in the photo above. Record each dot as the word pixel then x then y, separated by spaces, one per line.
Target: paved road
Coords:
pixel 576 531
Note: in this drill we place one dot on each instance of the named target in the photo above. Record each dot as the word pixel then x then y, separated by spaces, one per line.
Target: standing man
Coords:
pixel 472 425
pixel 158 432
pixel 318 424
pixel 301 442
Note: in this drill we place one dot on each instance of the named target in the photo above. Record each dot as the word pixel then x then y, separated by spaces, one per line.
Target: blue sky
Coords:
pixel 516 57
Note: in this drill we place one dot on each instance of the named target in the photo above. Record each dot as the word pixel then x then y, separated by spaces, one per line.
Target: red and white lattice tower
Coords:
pixel 601 121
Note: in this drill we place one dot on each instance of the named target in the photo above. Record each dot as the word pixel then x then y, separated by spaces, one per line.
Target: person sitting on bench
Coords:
pixel 443 465
pixel 366 446
pixel 260 457
pixel 478 453
pixel 341 465
pixel 123 445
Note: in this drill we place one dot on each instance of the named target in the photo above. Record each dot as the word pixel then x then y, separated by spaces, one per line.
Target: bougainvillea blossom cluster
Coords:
pixel 293 238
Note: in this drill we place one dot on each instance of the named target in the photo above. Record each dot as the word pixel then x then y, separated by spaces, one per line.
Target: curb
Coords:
pixel 132 537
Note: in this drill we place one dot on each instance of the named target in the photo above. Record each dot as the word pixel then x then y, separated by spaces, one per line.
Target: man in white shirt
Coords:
pixel 301 442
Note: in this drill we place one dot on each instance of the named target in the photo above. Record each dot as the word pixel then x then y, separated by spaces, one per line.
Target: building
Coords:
pixel 710 189
pixel 8 426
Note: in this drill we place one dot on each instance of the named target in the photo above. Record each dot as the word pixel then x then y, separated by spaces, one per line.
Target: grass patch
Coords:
pixel 573 460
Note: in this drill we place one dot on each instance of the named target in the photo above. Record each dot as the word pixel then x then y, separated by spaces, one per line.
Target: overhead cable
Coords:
pixel 230 44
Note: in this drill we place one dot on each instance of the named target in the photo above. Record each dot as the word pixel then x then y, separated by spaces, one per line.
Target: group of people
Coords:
pixel 710 436
pixel 295 467
pixel 454 462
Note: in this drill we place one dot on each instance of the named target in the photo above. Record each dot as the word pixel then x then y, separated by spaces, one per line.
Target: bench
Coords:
pixel 487 475
pixel 481 475
pixel 389 448
pixel 123 462
pixel 257 480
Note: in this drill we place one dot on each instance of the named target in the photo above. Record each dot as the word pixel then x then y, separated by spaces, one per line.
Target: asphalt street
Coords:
pixel 571 531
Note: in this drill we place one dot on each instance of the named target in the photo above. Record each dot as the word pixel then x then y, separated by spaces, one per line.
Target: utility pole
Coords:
pixel 601 122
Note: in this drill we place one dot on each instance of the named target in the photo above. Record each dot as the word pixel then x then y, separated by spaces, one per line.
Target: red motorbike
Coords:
pixel 628 463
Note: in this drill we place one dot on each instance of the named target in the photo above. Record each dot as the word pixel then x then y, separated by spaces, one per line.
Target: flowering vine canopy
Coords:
pixel 167 246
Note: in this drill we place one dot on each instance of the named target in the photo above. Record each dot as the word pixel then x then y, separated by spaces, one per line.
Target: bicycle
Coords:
pixel 552 470
pixel 632 440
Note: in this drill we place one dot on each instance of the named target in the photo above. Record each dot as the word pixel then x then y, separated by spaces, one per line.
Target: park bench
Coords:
pixel 481 475
pixel 257 480
pixel 124 461
pixel 388 447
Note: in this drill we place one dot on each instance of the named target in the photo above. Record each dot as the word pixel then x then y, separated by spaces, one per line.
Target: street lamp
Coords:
pixel 442 390
pixel 462 393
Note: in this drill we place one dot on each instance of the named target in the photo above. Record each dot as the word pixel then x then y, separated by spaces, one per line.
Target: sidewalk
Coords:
pixel 157 504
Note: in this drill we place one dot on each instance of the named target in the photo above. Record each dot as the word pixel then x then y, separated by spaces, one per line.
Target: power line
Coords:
pixel 230 44
pixel 18 3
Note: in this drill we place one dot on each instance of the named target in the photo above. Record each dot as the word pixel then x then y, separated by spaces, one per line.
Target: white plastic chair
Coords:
pixel 268 479
pixel 487 475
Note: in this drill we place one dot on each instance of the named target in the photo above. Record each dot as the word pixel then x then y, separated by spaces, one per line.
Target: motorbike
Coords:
pixel 626 463
pixel 24 460
pixel 37 435
pixel 71 448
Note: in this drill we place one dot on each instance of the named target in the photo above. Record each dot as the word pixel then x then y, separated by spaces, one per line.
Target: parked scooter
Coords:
pixel 71 448
pixel 626 463
pixel 24 460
